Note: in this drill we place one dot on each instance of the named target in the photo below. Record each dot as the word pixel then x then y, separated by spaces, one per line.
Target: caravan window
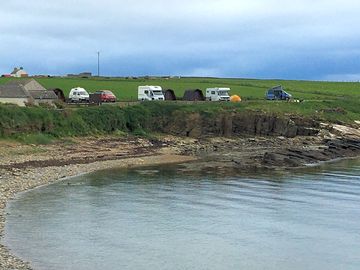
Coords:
pixel 146 92
pixel 157 93
pixel 223 93
pixel 213 92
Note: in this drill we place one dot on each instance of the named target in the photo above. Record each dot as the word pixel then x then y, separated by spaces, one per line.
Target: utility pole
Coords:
pixel 98 53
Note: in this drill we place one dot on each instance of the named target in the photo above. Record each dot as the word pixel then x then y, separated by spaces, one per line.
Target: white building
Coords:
pixel 19 73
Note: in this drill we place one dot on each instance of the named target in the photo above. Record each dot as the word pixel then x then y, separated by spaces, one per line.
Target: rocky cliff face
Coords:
pixel 198 125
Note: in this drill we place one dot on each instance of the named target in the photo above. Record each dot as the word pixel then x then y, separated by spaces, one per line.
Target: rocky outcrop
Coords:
pixel 329 150
pixel 198 125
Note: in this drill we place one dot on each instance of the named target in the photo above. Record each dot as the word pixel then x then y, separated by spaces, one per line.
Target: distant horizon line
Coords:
pixel 178 77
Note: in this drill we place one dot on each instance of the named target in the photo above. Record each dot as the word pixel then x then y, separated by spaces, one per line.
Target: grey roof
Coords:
pixel 13 91
pixel 24 88
pixel 43 94
pixel 15 70
pixel 29 84
pixel 18 81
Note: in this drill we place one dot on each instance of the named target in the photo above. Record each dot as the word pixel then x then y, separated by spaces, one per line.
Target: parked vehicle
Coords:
pixel 149 92
pixel 78 94
pixel 277 93
pixel 106 96
pixel 95 98
pixel 217 94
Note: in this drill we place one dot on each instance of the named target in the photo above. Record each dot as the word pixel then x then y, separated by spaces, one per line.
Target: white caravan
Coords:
pixel 149 92
pixel 78 94
pixel 218 94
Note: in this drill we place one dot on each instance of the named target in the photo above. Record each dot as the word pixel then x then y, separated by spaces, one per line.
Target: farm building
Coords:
pixel 20 92
pixel 43 96
pixel 19 73
pixel 194 95
pixel 81 75
pixel 169 94
pixel 15 94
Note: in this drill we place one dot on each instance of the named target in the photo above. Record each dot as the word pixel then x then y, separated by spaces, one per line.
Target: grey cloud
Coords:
pixel 227 38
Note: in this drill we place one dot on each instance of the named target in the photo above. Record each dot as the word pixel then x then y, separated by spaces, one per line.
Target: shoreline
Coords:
pixel 8 260
pixel 55 174
pixel 334 160
pixel 25 167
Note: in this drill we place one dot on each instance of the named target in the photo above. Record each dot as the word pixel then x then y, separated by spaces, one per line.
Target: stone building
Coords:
pixel 26 91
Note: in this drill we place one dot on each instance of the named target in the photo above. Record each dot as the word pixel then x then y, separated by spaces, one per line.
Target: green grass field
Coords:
pixel 126 89
pixel 333 101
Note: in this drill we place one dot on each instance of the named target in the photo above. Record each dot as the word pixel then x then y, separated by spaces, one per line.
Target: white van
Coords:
pixel 218 94
pixel 78 94
pixel 149 92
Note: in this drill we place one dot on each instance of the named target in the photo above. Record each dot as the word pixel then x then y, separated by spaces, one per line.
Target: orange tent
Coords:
pixel 235 98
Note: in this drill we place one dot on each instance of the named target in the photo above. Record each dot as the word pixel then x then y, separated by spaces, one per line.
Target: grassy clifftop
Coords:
pixel 323 101
pixel 18 122
pixel 126 89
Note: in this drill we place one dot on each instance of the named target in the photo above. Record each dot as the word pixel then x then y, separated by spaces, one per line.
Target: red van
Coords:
pixel 106 96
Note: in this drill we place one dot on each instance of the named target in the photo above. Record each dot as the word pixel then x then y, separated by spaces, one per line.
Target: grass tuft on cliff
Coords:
pixel 44 124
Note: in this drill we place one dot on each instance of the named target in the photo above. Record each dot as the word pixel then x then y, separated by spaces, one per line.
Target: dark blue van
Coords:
pixel 277 93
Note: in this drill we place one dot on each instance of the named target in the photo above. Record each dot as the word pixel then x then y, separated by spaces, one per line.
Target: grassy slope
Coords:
pixel 320 97
pixel 249 89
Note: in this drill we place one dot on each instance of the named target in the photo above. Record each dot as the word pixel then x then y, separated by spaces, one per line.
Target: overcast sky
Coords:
pixel 306 39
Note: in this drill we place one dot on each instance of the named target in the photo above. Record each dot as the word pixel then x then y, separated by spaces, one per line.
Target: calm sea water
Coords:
pixel 169 218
